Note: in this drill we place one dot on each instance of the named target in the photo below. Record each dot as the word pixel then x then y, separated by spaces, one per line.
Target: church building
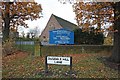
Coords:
pixel 55 22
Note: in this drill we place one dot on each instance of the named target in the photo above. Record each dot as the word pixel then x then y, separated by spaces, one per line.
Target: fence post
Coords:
pixel 40 49
pixel 33 53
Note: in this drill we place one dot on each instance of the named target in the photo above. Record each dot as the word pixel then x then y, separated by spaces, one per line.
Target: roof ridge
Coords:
pixel 63 19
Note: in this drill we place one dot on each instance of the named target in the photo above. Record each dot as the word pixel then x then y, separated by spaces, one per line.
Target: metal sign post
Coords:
pixel 46 65
pixel 70 66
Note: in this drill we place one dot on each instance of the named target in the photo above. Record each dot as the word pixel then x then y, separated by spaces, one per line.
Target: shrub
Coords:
pixel 108 41
pixel 8 47
pixel 88 37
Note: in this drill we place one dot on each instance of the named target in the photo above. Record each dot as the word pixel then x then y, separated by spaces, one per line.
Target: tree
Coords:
pixel 23 34
pixel 28 35
pixel 34 32
pixel 15 13
pixel 116 48
pixel 99 14
pixel 90 37
pixel 92 13
pixel 110 13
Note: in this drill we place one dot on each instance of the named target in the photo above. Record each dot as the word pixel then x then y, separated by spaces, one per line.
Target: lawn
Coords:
pixel 22 65
pixel 32 49
pixel 28 48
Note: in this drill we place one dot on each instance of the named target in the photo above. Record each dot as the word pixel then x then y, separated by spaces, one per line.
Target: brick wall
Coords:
pixel 52 24
pixel 74 49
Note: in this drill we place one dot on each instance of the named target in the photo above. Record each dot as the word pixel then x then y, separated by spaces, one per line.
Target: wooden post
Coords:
pixel 40 49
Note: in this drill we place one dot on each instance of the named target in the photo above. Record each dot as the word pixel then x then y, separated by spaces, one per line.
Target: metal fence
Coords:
pixel 31 47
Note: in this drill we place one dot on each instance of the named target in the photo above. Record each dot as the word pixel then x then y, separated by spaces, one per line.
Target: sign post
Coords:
pixel 70 66
pixel 58 61
pixel 46 65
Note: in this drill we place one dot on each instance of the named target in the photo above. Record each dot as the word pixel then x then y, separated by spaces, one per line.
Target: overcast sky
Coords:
pixel 64 11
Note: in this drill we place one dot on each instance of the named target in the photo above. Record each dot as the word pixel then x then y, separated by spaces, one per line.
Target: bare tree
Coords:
pixel 34 32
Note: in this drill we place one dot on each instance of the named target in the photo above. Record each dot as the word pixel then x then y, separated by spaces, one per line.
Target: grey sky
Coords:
pixel 64 11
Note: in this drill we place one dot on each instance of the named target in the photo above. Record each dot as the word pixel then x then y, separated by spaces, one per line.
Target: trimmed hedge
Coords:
pixel 74 49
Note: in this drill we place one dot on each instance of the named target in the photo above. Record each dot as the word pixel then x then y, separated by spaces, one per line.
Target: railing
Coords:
pixel 31 47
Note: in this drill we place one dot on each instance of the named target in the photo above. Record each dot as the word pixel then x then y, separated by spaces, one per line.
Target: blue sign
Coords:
pixel 61 36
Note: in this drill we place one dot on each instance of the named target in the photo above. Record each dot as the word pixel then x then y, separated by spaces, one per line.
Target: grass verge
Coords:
pixel 21 65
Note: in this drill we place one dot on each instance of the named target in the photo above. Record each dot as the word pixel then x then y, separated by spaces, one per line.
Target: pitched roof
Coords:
pixel 65 24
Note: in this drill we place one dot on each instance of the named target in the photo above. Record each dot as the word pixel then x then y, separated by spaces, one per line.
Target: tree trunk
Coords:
pixel 115 57
pixel 6 26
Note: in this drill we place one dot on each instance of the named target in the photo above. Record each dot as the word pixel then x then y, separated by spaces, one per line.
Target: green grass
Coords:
pixel 84 66
pixel 32 49
pixel 28 48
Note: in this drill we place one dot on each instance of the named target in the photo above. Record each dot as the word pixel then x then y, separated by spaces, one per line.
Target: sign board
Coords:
pixel 61 36
pixel 58 60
